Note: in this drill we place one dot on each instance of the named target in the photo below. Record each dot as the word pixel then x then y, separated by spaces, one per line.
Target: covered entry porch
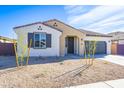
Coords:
pixel 71 45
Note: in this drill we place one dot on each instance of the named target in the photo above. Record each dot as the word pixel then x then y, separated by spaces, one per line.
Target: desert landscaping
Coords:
pixel 58 72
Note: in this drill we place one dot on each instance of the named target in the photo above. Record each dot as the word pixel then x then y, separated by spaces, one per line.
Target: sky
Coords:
pixel 103 19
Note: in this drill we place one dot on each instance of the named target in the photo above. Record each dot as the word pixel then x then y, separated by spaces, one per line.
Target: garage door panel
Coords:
pixel 7 49
pixel 100 47
pixel 120 49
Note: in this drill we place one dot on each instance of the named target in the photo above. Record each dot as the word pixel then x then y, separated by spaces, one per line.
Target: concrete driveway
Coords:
pixel 112 58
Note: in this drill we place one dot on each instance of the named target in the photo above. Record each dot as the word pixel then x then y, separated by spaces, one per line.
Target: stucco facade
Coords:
pixel 66 32
pixel 61 34
pixel 23 32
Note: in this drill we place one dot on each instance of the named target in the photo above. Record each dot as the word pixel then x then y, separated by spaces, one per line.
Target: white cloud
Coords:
pixel 70 6
pixel 115 19
pixel 100 18
pixel 72 10
pixel 96 14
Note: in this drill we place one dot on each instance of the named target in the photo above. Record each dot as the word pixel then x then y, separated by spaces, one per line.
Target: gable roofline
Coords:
pixel 35 24
pixel 63 23
pixel 44 23
pixel 27 25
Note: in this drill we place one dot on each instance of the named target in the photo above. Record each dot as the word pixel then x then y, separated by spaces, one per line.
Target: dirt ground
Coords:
pixel 60 73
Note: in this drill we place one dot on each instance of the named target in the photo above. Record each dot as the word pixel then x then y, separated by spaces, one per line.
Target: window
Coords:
pixel 37 40
pixel 40 40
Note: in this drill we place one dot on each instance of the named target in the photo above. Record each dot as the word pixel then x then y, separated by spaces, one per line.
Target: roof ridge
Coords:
pixel 37 23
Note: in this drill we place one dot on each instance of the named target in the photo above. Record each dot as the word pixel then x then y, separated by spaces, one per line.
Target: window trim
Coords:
pixel 40 39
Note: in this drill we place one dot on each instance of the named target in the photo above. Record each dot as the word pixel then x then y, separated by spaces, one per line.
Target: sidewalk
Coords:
pixel 106 84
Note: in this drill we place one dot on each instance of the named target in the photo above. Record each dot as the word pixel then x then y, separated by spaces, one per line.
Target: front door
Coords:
pixel 70 45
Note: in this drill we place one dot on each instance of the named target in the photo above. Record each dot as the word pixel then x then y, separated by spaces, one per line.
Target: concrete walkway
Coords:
pixel 106 84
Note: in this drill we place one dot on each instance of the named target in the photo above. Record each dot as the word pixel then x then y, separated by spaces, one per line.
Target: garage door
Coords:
pixel 100 47
pixel 7 49
pixel 120 49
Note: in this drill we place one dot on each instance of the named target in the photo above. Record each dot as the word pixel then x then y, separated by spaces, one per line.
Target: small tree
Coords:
pixel 21 60
pixel 89 52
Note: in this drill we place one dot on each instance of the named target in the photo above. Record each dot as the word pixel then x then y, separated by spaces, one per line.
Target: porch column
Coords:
pixel 81 46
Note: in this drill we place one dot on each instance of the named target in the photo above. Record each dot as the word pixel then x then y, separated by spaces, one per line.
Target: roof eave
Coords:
pixel 98 35
pixel 27 25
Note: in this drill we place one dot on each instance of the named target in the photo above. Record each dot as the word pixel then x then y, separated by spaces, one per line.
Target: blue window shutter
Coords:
pixel 48 40
pixel 31 36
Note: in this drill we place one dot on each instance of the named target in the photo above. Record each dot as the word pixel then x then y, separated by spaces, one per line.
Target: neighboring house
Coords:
pixel 55 38
pixel 6 40
pixel 118 37
pixel 6 46
pixel 117 43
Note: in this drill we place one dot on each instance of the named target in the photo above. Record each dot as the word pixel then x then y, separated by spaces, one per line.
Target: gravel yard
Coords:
pixel 59 72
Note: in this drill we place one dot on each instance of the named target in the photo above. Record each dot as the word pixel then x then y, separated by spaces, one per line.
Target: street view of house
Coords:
pixel 78 47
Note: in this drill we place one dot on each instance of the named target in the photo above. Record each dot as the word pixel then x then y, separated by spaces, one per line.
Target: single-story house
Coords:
pixel 55 38
pixel 117 42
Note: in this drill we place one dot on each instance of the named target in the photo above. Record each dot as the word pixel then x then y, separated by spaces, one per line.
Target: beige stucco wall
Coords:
pixel 69 31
